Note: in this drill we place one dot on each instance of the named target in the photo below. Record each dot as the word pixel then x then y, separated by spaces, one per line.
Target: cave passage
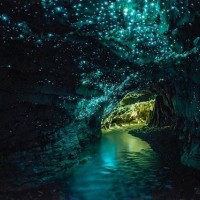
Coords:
pixel 135 108
pixel 76 76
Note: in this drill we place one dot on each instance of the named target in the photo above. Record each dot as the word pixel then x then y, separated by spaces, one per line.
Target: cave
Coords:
pixel 99 99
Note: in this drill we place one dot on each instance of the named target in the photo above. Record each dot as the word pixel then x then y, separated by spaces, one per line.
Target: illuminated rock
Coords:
pixel 130 110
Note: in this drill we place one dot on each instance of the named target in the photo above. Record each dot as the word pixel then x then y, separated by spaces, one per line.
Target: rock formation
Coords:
pixel 134 108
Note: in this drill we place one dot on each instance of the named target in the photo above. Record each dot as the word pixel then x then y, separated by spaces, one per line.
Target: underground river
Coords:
pixel 125 167
pixel 119 167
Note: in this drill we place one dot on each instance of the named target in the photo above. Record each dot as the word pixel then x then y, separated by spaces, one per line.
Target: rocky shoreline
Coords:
pixel 166 144
pixel 162 140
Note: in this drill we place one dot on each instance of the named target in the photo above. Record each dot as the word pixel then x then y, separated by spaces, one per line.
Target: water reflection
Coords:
pixel 121 167
pixel 114 146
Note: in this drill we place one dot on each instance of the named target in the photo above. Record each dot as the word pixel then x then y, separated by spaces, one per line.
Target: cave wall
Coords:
pixel 53 96
pixel 186 105
pixel 185 97
pixel 182 113
pixel 179 92
pixel 177 105
pixel 40 135
pixel 63 67
pixel 162 114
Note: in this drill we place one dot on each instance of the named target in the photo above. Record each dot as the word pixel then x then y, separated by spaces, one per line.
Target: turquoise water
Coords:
pixel 120 167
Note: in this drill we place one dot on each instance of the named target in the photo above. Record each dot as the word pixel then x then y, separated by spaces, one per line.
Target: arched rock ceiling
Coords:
pixel 99 44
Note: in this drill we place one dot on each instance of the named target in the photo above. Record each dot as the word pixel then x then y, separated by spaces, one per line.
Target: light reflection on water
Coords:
pixel 120 167
pixel 114 145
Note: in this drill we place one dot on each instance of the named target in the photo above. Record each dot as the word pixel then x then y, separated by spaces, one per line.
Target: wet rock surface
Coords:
pixel 160 139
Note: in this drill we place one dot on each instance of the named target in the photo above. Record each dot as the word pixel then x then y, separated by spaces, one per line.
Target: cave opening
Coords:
pixel 134 109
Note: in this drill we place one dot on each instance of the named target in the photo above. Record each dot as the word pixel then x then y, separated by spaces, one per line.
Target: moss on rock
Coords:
pixel 130 113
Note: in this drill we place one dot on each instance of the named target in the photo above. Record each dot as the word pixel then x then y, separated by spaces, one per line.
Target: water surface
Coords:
pixel 119 167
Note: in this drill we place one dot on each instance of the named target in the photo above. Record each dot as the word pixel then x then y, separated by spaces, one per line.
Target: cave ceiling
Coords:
pixel 109 46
